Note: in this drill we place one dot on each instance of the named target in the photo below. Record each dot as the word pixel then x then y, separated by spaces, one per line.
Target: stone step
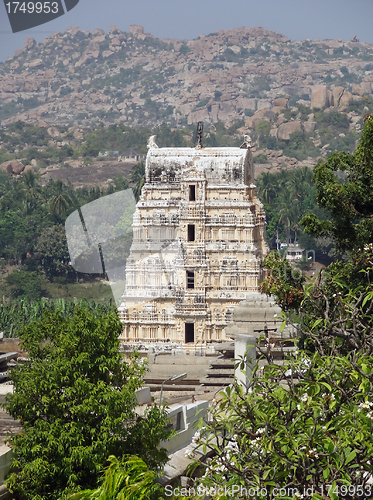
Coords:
pixel 263 363
pixel 172 388
pixel 157 380
pixel 222 363
pixel 218 381
pixel 221 372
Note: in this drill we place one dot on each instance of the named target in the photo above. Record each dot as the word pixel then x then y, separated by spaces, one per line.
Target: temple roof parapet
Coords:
pixel 216 165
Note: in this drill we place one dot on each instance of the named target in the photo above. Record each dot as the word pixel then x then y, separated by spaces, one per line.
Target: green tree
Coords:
pixel 31 186
pixel 184 49
pixel 52 252
pixel 308 423
pixel 263 128
pixel 76 401
pixel 282 281
pixel 299 432
pixel 138 176
pixel 61 200
pixel 26 284
pixel 267 188
pixel 19 230
pixel 348 202
pixel 275 190
pixel 120 182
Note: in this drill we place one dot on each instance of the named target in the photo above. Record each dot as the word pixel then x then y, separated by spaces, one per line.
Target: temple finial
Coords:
pixel 151 142
pixel 199 135
pixel 247 142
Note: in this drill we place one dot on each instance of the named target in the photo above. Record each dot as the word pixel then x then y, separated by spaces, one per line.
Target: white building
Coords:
pixel 198 244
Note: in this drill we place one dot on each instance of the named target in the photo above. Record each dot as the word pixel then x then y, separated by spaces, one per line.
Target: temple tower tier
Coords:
pixel 198 245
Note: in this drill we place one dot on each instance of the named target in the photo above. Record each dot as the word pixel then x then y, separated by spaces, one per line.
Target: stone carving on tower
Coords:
pixel 198 244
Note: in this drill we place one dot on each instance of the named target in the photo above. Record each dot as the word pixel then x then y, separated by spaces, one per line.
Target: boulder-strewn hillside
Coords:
pixel 300 100
pixel 139 79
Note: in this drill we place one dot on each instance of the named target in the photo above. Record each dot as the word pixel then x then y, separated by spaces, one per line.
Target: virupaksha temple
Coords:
pixel 198 245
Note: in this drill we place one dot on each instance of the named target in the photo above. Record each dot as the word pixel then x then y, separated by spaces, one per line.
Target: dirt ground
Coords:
pixel 96 174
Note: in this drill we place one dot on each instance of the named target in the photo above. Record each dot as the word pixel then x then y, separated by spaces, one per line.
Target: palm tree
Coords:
pixel 300 181
pixel 137 189
pixel 94 194
pixel 61 200
pixel 6 197
pixel 30 186
pixel 137 172
pixel 288 215
pixel 138 176
pixel 25 208
pixel 266 188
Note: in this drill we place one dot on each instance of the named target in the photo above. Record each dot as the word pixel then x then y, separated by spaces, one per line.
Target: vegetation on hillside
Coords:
pixel 347 196
pixel 288 196
pixel 300 426
pixel 134 79
pixel 34 257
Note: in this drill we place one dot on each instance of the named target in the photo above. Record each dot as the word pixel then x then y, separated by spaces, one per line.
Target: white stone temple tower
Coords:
pixel 198 244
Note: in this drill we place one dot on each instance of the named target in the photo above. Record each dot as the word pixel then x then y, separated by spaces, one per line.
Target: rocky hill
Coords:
pixel 300 100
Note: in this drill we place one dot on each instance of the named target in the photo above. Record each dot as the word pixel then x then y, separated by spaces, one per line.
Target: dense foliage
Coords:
pixel 283 281
pixel 288 196
pixel 129 479
pixel 15 314
pixel 75 399
pixel 347 197
pixel 306 426
pixel 310 438
pixel 32 218
pixel 34 256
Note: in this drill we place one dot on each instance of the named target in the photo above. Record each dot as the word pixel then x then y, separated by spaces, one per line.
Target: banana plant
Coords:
pixel 127 480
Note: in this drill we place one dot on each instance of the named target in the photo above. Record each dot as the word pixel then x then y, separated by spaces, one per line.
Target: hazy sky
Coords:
pixel 298 19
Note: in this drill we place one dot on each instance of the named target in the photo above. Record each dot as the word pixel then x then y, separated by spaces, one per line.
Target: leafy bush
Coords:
pixel 263 127
pixel 284 282
pixel 299 146
pixel 203 102
pixel 184 49
pixel 305 426
pixel 76 399
pixel 261 159
pixel 26 284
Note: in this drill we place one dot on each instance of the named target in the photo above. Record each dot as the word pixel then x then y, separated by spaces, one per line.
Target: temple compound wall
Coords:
pixel 198 244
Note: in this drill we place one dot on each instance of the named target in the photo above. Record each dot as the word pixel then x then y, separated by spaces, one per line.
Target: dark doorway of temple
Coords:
pixel 189 332
pixel 191 232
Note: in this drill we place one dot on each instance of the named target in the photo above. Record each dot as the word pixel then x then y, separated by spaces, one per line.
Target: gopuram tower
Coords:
pixel 198 245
